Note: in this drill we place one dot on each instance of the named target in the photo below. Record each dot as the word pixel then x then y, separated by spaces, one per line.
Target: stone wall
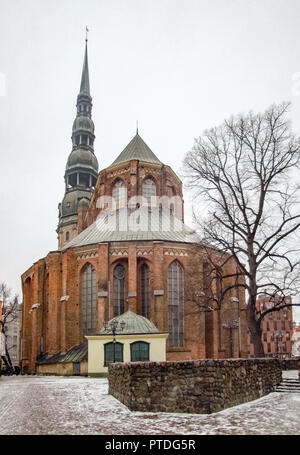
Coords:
pixel 290 364
pixel 200 386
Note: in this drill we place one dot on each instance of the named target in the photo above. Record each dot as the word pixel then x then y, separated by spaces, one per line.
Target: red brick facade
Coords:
pixel 277 329
pixel 55 325
pixel 52 313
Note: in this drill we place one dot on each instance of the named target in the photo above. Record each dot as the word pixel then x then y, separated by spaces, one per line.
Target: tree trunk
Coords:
pixel 255 329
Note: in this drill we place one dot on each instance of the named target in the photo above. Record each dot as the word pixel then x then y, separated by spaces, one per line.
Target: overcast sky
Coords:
pixel 178 66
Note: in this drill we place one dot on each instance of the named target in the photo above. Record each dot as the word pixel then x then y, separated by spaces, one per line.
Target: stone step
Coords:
pixel 288 387
pixel 288 390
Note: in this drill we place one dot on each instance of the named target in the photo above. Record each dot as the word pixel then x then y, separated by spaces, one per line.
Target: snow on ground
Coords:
pixel 74 405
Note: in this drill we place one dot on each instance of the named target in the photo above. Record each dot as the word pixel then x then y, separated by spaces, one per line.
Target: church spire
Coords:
pixel 85 81
pixel 84 99
pixel 82 165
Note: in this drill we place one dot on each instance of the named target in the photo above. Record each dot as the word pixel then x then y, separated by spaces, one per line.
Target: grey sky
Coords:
pixel 177 66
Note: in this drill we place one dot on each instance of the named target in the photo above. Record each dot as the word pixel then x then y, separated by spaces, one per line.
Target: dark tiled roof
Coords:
pixel 77 353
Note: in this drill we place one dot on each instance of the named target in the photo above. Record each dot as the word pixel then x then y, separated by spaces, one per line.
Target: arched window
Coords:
pixel 175 304
pixel 89 299
pixel 109 353
pixel 145 290
pixel 149 190
pixel 139 351
pixel 119 290
pixel 119 194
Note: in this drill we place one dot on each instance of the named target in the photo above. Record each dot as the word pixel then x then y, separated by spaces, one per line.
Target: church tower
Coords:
pixel 82 165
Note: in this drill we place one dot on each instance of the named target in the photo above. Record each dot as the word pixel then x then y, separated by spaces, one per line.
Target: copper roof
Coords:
pixel 140 224
pixel 137 149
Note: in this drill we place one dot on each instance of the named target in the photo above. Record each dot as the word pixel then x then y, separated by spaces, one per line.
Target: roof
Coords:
pixel 133 225
pixel 77 353
pixel 134 323
pixel 137 149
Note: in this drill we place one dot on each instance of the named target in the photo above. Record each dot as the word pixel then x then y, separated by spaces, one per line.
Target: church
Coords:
pixel 123 246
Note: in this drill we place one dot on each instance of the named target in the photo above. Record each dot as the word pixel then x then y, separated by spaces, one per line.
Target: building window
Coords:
pixel 119 194
pixel 89 299
pixel 265 337
pixel 67 235
pixel 119 290
pixel 148 189
pixel 287 336
pixel 139 351
pixel 109 353
pixel 145 290
pixel 175 304
pixel 269 347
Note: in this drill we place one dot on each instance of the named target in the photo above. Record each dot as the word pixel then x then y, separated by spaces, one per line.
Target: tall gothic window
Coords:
pixel 119 290
pixel 89 299
pixel 119 194
pixel 148 189
pixel 175 304
pixel 145 290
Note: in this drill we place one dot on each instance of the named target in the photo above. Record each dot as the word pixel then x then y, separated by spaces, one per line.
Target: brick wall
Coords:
pixel 201 386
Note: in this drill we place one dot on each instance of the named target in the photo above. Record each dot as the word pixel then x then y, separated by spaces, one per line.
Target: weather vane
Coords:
pixel 86 32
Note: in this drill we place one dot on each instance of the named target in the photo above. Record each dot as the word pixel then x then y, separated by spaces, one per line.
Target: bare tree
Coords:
pixel 10 305
pixel 243 170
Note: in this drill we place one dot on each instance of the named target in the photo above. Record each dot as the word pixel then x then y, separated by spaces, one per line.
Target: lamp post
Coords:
pixel 113 328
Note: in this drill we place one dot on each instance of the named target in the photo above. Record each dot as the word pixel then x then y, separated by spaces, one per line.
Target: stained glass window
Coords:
pixel 139 351
pixel 145 290
pixel 175 304
pixel 119 290
pixel 89 299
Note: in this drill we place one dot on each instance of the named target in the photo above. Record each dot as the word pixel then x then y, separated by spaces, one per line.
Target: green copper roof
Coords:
pixel 143 224
pixel 85 82
pixel 134 323
pixel 137 149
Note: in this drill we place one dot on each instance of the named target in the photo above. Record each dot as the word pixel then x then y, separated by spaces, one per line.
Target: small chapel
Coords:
pixel 123 246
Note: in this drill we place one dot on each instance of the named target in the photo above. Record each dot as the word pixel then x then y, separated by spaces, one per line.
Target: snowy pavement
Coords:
pixel 54 405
